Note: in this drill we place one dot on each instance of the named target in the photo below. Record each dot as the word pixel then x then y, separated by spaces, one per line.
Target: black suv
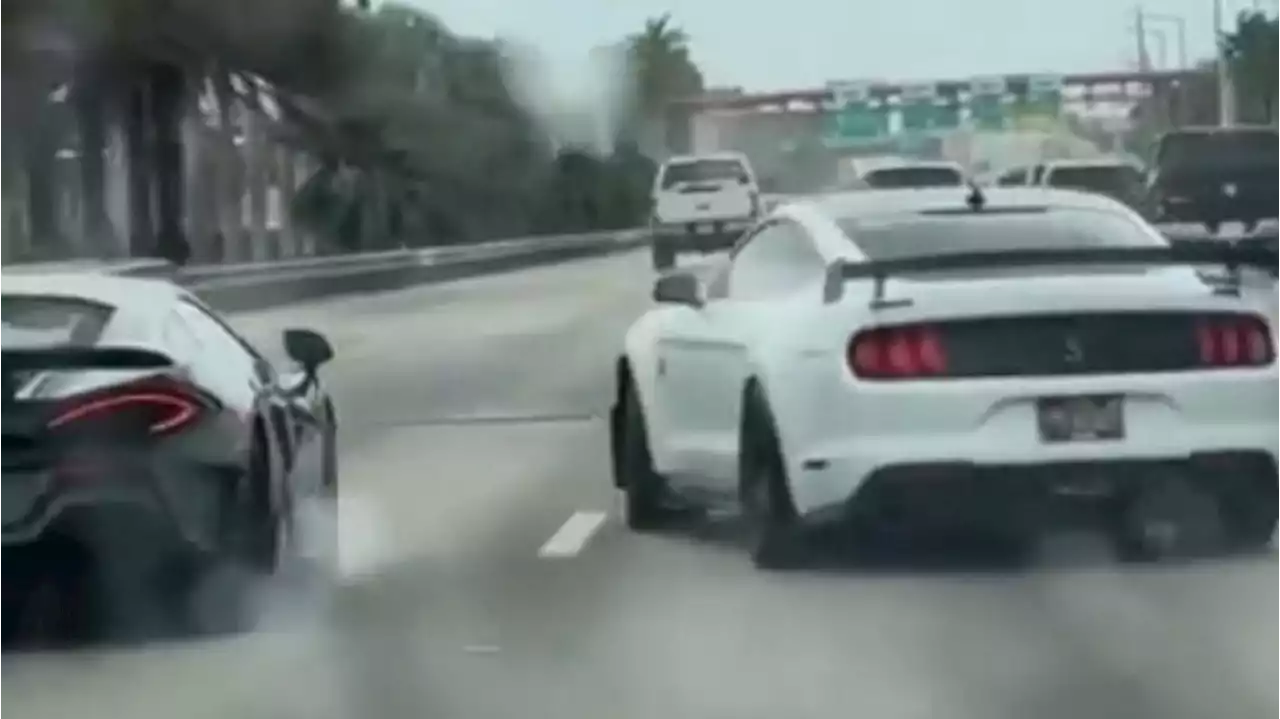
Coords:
pixel 1214 175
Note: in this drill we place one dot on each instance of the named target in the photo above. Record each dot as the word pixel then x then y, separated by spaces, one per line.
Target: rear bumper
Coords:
pixel 707 236
pixel 170 506
pixel 1023 498
pixel 834 474
pixel 839 434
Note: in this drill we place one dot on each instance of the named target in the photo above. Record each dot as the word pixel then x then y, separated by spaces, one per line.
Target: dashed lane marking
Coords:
pixel 573 536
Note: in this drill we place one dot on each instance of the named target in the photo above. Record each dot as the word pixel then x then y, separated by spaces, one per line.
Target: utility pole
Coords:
pixel 1140 32
pixel 1226 94
pixel 1180 23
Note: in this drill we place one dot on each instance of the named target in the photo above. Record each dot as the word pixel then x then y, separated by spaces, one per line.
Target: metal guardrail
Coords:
pixel 256 285
pixel 131 267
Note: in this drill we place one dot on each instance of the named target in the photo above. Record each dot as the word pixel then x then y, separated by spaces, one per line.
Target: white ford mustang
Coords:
pixel 946 359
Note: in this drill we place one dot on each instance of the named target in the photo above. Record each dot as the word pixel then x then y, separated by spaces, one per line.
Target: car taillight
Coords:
pixel 147 408
pixel 1234 341
pixel 910 352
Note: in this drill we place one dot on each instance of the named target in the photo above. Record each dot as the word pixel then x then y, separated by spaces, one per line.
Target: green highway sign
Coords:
pixel 858 116
pixel 928 109
pixel 986 103
pixel 1044 92
pixel 925 108
pixel 948 115
pixel 1041 106
pixel 917 103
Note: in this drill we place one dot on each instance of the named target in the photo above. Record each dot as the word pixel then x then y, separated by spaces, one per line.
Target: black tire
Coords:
pixel 18 599
pixel 53 596
pixel 1171 520
pixel 319 527
pixel 1255 535
pixel 642 487
pixel 213 593
pixel 776 537
pixel 1251 517
pixel 265 527
pixel 664 256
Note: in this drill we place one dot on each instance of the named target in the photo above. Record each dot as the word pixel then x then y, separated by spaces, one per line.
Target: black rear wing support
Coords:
pixel 17 362
pixel 838 274
pixel 1195 252
pixel 83 358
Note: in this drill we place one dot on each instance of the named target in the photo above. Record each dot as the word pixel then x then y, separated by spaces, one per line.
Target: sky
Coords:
pixel 795 44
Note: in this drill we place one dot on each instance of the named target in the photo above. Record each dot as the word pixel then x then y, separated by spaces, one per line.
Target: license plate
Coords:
pixel 705 228
pixel 1091 418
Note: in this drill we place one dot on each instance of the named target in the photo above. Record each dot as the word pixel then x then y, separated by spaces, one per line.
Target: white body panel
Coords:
pixel 1050 168
pixel 729 201
pixel 691 366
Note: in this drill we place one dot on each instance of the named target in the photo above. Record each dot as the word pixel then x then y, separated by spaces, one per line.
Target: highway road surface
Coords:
pixel 484 573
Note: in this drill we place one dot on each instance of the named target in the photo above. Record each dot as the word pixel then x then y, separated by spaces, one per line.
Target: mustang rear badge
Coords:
pixel 1229 190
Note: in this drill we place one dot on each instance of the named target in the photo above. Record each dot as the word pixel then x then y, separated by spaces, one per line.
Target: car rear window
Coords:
pixel 1103 179
pixel 678 173
pixel 890 237
pixel 39 321
pixel 1234 147
pixel 910 177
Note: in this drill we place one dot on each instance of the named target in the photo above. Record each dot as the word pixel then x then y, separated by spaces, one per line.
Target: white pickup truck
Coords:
pixel 702 203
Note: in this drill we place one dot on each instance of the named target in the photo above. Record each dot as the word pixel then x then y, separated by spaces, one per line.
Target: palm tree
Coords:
pixel 661 64
pixel 434 114
pixel 662 70
pixel 136 62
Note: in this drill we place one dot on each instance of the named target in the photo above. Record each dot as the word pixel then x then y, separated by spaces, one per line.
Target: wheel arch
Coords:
pixel 263 433
pixel 757 384
pixel 617 415
pixel 635 376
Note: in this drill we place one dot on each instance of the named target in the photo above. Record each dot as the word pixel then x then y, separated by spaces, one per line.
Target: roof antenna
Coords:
pixel 976 200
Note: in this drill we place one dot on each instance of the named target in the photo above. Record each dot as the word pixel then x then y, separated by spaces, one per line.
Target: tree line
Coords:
pixel 1250 50
pixel 413 134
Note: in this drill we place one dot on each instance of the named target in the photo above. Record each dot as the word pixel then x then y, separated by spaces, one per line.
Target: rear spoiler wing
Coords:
pixel 17 361
pixel 71 358
pixel 1194 252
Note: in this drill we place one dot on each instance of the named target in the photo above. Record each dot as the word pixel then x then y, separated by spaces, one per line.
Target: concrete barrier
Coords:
pixel 247 286
pixel 296 284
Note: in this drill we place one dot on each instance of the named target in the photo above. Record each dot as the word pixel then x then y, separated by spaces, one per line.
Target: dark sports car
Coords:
pixel 143 433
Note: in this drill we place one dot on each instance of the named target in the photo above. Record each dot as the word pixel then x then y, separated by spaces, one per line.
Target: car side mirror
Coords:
pixel 308 348
pixel 678 288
